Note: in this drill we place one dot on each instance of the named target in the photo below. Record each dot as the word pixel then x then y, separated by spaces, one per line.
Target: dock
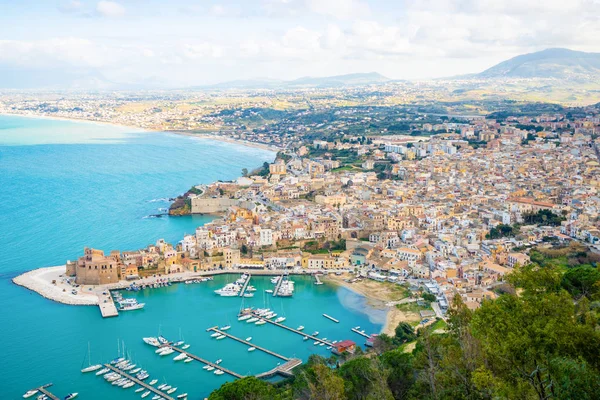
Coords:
pixel 331 318
pixel 317 280
pixel 206 362
pixel 43 390
pixel 249 344
pixel 139 382
pixel 108 309
pixel 245 285
pixel 360 333
pixel 277 286
pixel 316 339
pixel 283 370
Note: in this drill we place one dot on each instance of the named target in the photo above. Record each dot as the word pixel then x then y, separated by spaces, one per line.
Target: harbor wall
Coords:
pixel 202 205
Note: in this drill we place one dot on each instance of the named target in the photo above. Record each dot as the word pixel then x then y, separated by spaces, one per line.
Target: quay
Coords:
pixel 316 339
pixel 360 333
pixel 245 285
pixel 278 285
pixel 249 344
pixel 203 361
pixel 331 318
pixel 108 309
pixel 317 280
pixel 139 382
pixel 43 390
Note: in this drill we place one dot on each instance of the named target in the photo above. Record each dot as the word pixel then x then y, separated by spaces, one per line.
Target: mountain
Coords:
pixel 555 63
pixel 359 79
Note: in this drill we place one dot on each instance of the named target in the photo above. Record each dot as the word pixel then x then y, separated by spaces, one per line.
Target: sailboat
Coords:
pixel 91 367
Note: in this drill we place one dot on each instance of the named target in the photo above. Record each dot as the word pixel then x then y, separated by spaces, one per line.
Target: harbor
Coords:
pixel 139 382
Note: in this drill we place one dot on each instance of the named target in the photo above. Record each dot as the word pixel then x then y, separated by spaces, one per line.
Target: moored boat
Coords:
pixel 251 348
pixel 71 396
pixel 30 393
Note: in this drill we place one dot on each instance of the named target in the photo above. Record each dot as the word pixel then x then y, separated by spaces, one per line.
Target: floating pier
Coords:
pixel 317 280
pixel 43 390
pixel 216 329
pixel 316 339
pixel 277 286
pixel 360 333
pixel 139 382
pixel 245 285
pixel 331 318
pixel 203 361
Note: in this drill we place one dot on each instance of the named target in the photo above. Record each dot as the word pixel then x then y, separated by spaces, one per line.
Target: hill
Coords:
pixel 555 63
pixel 358 79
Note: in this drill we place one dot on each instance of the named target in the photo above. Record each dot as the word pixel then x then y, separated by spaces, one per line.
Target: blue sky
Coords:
pixel 192 42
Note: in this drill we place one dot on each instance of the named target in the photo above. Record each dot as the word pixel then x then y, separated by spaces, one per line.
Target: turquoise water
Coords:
pixel 66 185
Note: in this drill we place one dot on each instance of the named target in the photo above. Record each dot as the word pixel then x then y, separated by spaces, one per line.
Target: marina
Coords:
pixel 251 345
pixel 296 331
pixel 245 286
pixel 44 389
pixel 139 382
pixel 361 333
pixel 331 318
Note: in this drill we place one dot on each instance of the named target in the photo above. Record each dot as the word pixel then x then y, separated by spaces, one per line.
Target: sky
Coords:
pixel 196 42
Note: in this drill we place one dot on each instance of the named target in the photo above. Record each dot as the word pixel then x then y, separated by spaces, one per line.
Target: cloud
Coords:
pixel 110 9
pixel 341 9
pixel 70 6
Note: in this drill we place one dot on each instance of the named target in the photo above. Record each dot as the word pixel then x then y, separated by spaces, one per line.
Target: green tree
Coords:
pixel 404 333
pixel 249 388
pixel 582 281
pixel 364 378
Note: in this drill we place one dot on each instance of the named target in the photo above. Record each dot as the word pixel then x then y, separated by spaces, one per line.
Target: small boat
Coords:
pixel 249 338
pixel 162 340
pixel 167 351
pixel 251 348
pixel 315 333
pixel 182 396
pixel 269 291
pixel 305 337
pixel 185 346
pixel 146 394
pixel 139 390
pixel 321 344
pixel 30 393
pixel 328 347
pixel 102 371
pixel 92 368
pixel 226 327
pixel 210 368
pixel 153 382
pixel 280 319
pixel 71 396
pixel 42 397
pixel 128 385
pixel 219 361
pixel 160 350
pixel 215 334
pixel 261 322
pixel 172 390
pixel 244 317
pixel 300 328
pixel 135 371
pixel 188 360
pixel 167 387
pixel 253 319
pixel 180 357
pixel 248 295
pixel 152 341
pixel 218 372
pixel 316 343
pixel 220 337
pixel 157 397
pixel 206 367
pixel 117 360
pixel 179 343
pixel 161 386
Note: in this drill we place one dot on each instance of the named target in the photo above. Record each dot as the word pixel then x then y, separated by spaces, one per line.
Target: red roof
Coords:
pixel 345 344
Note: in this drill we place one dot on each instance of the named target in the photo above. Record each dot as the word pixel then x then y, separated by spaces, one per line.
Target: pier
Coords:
pixel 249 344
pixel 139 382
pixel 360 333
pixel 283 370
pixel 331 318
pixel 277 286
pixel 245 285
pixel 203 361
pixel 108 309
pixel 317 280
pixel 303 334
pixel 43 390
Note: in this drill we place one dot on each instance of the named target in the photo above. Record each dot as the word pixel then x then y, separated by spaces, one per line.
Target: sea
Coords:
pixel 65 185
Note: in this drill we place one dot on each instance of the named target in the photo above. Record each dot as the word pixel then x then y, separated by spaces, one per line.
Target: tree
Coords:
pixel 404 333
pixel 582 281
pixel 365 379
pixel 318 382
pixel 244 171
pixel 249 388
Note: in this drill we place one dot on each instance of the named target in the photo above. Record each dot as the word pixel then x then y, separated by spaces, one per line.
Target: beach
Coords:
pixel 227 140
pixel 380 295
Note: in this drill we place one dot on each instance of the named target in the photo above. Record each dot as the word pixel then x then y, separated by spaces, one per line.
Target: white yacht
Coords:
pixel 30 393
pixel 166 351
pixel 229 290
pixel 251 348
pixel 300 328
pixel 244 317
pixel 226 327
pixel 180 357
pixel 130 306
pixel 280 319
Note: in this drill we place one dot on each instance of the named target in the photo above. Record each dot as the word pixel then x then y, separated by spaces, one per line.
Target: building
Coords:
pixel 343 347
pixel 94 268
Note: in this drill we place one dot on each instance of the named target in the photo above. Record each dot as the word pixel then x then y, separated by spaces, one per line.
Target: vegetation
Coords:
pixel 501 231
pixel 541 341
pixel 543 217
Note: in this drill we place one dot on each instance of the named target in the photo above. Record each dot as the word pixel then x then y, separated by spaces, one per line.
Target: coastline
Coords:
pixel 140 130
pixel 378 300
pixel 227 140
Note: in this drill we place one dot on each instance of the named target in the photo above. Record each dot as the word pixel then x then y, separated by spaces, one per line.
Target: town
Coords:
pixel 447 213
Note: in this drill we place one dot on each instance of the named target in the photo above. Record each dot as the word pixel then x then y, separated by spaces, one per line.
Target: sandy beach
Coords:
pixel 226 140
pixel 378 295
